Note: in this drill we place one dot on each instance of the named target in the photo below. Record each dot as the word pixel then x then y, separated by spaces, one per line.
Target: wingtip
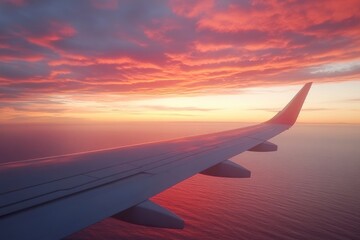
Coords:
pixel 308 84
pixel 290 113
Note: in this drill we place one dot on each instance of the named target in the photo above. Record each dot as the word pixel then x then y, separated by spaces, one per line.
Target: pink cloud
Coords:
pixel 191 9
pixel 105 4
pixel 177 47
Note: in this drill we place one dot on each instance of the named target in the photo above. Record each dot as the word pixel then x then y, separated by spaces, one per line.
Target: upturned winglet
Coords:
pixel 289 114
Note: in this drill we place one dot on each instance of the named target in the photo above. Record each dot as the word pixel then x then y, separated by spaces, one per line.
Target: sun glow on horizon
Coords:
pixel 326 103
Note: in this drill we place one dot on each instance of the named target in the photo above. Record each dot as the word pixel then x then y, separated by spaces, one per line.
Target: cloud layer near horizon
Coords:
pixel 82 48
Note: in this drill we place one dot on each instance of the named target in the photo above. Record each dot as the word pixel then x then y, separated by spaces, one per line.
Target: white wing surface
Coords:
pixel 50 198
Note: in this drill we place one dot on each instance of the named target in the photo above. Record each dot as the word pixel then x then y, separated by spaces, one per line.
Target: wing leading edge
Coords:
pixel 50 198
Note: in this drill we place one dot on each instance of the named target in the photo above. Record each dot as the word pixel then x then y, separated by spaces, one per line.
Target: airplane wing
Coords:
pixel 50 198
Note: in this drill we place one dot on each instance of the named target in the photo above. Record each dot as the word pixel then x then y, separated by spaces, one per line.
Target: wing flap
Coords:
pixel 227 169
pixel 150 214
pixel 264 147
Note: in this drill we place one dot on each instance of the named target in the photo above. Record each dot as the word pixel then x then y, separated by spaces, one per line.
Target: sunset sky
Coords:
pixel 70 61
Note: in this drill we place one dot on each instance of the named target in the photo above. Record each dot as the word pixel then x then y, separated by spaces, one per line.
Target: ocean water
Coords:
pixel 308 189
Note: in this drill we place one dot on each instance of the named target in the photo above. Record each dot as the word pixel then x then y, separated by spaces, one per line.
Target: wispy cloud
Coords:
pixel 354 100
pixel 304 109
pixel 182 109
